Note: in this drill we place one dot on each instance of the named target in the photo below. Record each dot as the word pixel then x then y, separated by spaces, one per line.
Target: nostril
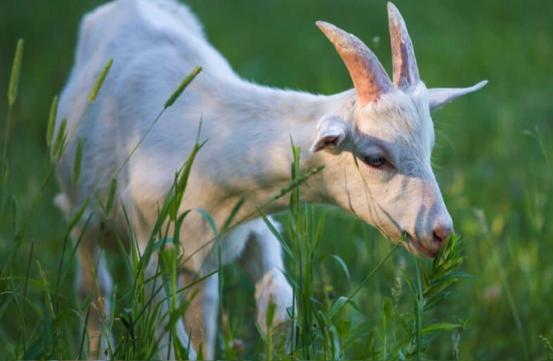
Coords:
pixel 441 233
pixel 438 239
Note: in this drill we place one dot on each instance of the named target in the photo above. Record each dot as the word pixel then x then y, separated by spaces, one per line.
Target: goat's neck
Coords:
pixel 265 120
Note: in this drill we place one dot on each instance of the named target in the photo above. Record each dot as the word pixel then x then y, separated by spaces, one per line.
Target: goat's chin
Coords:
pixel 410 243
pixel 417 248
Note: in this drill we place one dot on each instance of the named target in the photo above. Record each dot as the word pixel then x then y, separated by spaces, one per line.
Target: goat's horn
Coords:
pixel 369 77
pixel 406 72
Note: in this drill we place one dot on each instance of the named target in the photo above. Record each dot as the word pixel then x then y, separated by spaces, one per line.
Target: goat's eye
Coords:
pixel 375 160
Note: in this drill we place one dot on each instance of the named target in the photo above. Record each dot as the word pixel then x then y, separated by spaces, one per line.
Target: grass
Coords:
pixel 492 160
pixel 318 327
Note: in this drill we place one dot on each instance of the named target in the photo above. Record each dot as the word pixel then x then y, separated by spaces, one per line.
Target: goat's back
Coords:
pixel 154 44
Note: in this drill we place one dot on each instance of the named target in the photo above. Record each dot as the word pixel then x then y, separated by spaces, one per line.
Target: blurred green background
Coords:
pixel 492 158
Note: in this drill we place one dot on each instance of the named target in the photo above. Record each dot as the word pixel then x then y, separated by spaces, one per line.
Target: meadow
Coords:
pixel 492 161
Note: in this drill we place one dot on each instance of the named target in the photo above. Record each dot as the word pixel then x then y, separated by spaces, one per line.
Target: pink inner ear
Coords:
pixel 327 141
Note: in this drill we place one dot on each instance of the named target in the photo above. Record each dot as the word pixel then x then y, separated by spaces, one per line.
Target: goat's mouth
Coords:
pixel 416 247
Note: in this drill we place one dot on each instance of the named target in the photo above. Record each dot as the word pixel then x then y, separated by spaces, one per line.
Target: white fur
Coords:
pixel 154 45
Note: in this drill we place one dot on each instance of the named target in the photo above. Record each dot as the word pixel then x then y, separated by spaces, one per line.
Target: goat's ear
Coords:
pixel 438 97
pixel 331 134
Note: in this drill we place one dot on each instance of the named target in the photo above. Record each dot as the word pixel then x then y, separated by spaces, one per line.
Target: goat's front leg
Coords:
pixel 154 288
pixel 262 261
pixel 201 316
pixel 93 279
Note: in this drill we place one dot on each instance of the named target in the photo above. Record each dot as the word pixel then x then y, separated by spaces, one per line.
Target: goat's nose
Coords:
pixel 441 231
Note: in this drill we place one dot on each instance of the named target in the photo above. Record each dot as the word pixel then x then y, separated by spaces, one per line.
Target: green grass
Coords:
pixel 321 328
pixel 492 162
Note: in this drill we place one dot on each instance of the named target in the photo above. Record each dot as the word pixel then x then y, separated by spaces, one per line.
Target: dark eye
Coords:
pixel 375 160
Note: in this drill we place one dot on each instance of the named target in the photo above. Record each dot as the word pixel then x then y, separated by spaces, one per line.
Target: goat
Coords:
pixel 374 140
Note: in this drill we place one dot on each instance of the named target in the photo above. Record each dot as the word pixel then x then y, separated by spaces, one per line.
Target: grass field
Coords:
pixel 492 161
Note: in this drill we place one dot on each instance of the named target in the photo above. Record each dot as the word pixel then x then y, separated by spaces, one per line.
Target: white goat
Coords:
pixel 374 140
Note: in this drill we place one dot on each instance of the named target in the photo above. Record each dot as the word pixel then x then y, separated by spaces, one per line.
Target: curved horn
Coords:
pixel 406 72
pixel 369 77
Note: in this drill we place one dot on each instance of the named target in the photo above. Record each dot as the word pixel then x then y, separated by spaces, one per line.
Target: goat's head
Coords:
pixel 389 180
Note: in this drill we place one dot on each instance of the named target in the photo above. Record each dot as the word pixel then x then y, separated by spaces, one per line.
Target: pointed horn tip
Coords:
pixel 323 25
pixel 337 36
pixel 394 15
pixel 328 29
pixel 392 7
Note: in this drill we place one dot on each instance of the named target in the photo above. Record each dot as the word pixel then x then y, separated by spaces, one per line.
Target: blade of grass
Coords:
pixel 15 73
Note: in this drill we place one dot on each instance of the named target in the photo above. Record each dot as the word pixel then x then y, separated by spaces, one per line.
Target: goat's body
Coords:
pixel 154 45
pixel 153 50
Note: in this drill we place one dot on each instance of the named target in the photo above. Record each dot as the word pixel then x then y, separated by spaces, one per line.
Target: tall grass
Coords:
pixel 50 324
